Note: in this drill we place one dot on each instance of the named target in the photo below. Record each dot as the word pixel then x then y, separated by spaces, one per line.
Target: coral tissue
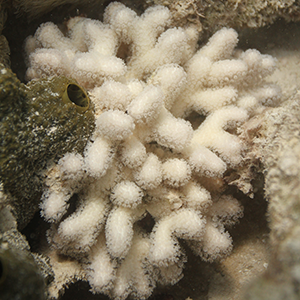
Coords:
pixel 166 119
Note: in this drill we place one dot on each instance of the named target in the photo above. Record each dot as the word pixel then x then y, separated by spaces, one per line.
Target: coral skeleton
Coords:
pixel 151 176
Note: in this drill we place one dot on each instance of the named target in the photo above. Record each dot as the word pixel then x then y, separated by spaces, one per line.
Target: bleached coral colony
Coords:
pixel 149 176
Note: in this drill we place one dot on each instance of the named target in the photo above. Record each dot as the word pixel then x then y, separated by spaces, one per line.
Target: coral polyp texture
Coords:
pixel 167 116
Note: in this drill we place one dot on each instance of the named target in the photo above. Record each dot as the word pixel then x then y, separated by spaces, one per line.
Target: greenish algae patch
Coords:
pixel 36 127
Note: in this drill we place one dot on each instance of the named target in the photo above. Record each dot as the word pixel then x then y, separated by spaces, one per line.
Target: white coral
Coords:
pixel 148 157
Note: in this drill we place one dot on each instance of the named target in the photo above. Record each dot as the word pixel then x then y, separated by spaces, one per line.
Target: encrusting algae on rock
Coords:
pixel 148 158
pixel 36 126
